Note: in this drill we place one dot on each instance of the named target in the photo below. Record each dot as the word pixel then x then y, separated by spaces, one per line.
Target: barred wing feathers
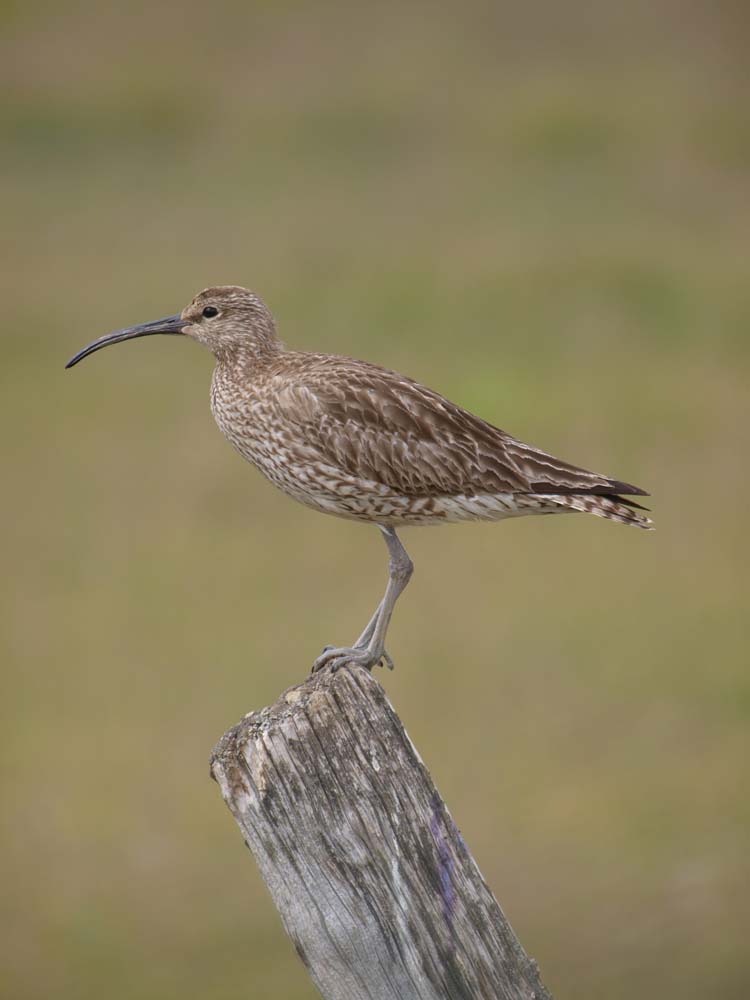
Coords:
pixel 375 424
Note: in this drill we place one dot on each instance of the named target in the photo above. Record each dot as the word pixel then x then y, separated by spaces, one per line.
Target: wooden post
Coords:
pixel 373 881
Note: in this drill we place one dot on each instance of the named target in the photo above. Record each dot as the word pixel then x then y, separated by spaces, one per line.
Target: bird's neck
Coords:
pixel 250 358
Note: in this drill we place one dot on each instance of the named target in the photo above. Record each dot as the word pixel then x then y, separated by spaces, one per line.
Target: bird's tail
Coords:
pixel 613 507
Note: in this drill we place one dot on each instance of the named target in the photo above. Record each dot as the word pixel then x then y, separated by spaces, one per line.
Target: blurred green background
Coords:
pixel 541 210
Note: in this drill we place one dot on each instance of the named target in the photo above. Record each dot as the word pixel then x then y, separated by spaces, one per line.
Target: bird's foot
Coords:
pixel 361 656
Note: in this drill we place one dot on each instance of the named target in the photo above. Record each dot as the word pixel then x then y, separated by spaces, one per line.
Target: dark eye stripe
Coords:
pixel 210 311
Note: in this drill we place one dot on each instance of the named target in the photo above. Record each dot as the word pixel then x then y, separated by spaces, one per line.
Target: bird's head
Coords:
pixel 232 322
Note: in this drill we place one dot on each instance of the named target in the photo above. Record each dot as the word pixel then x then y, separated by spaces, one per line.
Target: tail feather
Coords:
pixel 613 508
pixel 627 501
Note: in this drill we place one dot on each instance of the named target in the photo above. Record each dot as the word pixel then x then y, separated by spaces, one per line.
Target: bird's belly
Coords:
pixel 331 491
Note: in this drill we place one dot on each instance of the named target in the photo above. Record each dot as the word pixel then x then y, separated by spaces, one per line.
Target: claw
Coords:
pixel 333 653
pixel 339 656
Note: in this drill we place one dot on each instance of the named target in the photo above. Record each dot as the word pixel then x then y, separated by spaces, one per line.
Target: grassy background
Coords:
pixel 541 210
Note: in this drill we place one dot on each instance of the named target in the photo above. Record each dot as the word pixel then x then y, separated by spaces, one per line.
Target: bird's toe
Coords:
pixel 360 656
pixel 331 654
pixel 353 658
pixel 386 661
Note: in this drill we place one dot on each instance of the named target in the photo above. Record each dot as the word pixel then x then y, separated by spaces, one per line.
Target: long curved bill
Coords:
pixel 170 324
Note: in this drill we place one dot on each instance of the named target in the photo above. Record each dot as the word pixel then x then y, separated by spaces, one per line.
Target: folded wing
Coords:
pixel 375 424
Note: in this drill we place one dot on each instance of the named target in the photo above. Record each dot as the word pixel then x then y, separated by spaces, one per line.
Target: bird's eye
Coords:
pixel 210 311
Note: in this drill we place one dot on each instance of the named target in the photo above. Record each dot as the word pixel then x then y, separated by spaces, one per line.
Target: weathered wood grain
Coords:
pixel 371 876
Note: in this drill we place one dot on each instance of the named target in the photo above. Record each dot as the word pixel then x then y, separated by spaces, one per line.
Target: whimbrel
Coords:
pixel 349 438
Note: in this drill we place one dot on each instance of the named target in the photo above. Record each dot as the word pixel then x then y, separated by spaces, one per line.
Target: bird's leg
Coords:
pixel 370 647
pixel 367 632
pixel 368 629
pixel 364 639
pixel 400 569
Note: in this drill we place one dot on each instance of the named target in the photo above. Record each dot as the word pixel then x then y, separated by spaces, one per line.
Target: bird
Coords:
pixel 362 442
